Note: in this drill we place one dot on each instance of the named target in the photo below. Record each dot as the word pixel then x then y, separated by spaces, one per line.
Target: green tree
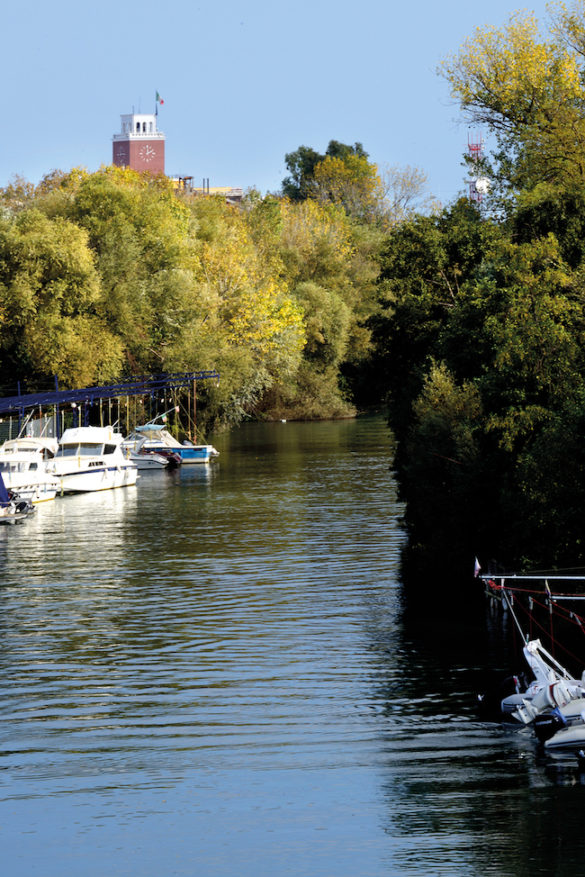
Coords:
pixel 139 232
pixel 442 464
pixel 302 162
pixel 50 299
pixel 424 266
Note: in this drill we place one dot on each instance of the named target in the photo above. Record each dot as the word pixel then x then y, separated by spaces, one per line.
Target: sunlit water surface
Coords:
pixel 211 674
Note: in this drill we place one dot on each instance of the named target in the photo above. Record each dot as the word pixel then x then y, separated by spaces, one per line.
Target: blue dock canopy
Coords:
pixel 141 386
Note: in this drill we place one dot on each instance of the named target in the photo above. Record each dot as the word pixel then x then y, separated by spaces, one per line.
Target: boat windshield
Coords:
pixel 154 432
pixel 149 431
pixel 91 449
pixel 87 449
pixel 16 466
pixel 67 451
pixel 22 449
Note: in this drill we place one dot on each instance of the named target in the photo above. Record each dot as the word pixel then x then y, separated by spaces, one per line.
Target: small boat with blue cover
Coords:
pixel 155 438
pixel 13 509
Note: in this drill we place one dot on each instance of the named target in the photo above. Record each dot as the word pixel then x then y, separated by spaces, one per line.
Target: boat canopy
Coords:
pixel 4 495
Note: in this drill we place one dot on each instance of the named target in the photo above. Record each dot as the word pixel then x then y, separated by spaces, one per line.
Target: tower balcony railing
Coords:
pixel 143 135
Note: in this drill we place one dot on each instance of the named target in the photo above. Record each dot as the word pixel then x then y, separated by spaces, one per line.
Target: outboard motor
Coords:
pixel 546 725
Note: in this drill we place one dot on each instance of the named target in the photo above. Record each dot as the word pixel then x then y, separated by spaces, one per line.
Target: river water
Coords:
pixel 212 674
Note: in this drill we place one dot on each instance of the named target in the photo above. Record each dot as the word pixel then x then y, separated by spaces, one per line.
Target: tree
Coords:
pixel 352 182
pixel 404 193
pixel 139 231
pixel 302 163
pixel 49 303
pixel 529 91
pixel 549 209
pixel 329 264
pixel 425 264
pixel 251 326
pixel 443 470
pixel 112 273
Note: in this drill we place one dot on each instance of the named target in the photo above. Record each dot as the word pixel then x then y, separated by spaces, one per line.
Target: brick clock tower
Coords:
pixel 140 146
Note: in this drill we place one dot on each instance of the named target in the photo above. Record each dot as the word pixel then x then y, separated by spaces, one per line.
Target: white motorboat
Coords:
pixel 91 458
pixel 13 509
pixel 553 704
pixel 570 738
pixel 145 459
pixel 24 465
pixel 156 438
pixel 553 688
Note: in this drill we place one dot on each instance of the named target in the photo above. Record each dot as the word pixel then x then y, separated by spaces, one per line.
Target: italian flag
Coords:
pixel 159 99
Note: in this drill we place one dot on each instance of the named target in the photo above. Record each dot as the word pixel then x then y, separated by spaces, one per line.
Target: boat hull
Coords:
pixel 24 465
pixel 149 462
pixel 568 739
pixel 90 458
pixel 33 492
pixel 104 478
pixel 196 453
pixel 154 438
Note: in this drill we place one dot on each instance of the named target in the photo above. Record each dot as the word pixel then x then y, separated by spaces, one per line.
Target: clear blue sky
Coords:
pixel 243 83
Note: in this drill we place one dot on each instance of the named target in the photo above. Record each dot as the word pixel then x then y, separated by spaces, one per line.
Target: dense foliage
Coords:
pixel 482 335
pixel 114 273
pixel 342 291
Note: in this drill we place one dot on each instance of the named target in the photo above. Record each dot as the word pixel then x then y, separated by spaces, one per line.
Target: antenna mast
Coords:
pixel 478 185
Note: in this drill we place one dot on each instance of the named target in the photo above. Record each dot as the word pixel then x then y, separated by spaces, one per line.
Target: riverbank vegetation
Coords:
pixel 115 273
pixel 349 289
pixel 483 334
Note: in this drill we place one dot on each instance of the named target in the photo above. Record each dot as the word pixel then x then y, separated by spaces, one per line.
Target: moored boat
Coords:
pixel 570 739
pixel 147 458
pixel 553 703
pixel 91 458
pixel 156 438
pixel 553 688
pixel 550 687
pixel 13 509
pixel 24 465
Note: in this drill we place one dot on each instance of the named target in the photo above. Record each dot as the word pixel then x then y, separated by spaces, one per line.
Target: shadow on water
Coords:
pixel 478 797
pixel 223 665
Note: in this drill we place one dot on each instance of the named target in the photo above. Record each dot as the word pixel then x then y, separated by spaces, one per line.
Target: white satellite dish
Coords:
pixel 482 185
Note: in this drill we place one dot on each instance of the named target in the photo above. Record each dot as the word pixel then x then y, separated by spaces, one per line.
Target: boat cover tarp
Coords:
pixel 4 496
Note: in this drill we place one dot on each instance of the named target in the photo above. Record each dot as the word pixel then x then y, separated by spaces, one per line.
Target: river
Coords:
pixel 212 674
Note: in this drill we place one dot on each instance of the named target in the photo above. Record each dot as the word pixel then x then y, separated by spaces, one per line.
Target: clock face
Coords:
pixel 146 152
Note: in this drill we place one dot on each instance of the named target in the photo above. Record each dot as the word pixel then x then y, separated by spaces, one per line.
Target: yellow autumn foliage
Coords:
pixel 512 71
pixel 351 182
pixel 528 88
pixel 251 301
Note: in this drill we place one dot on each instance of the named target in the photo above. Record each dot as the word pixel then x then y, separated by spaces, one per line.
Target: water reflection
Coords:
pixel 218 662
pixel 468 797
